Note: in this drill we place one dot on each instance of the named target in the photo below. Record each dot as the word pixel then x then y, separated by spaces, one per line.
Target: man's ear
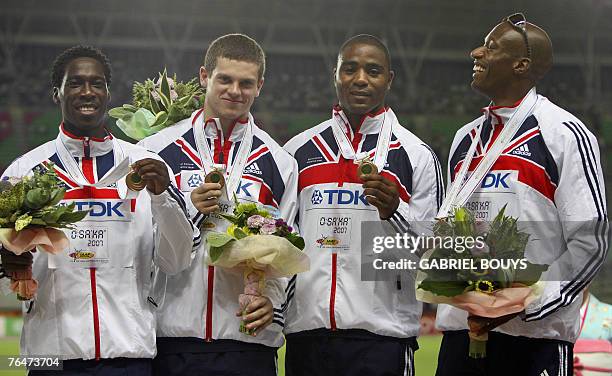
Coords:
pixel 522 66
pixel 203 77
pixel 55 95
pixel 259 86
pixel 391 75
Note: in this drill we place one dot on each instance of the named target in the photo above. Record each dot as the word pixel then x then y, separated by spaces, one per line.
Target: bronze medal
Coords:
pixel 366 167
pixel 215 176
pixel 134 181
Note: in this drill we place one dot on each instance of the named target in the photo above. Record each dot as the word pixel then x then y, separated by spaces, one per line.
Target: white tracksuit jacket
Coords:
pixel 201 302
pixel 549 173
pixel 83 313
pixel 332 294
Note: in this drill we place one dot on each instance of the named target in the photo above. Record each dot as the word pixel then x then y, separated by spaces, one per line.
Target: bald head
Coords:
pixel 540 47
pixel 541 52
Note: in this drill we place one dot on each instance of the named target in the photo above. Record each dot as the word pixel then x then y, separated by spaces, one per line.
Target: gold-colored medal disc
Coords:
pixel 215 176
pixel 367 167
pixel 134 181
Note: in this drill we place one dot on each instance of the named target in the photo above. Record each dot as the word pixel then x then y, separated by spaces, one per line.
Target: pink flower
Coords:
pixel 267 229
pixel 255 221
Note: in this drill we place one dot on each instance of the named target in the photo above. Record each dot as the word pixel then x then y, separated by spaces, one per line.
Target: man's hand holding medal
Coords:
pixel 149 173
pixel 205 198
pixel 378 190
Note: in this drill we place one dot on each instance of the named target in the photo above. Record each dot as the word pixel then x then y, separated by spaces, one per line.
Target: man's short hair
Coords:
pixel 235 47
pixel 62 60
pixel 369 40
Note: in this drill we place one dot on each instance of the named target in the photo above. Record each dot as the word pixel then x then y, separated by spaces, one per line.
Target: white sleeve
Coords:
pixel 276 288
pixel 177 236
pixel 427 191
pixel 580 201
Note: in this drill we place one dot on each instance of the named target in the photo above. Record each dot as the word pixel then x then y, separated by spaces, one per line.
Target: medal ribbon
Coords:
pixel 382 144
pixel 463 187
pixel 206 156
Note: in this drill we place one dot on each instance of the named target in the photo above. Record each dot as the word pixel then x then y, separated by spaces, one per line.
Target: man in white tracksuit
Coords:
pixel 336 322
pixel 198 329
pixel 92 311
pixel 547 173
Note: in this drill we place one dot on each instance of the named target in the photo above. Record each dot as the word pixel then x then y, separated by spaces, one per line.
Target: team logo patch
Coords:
pixel 253 168
pixel 195 181
pixel 522 150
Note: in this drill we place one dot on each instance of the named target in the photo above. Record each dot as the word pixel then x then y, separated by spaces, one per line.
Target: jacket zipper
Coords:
pixel 332 295
pixel 89 175
pixel 209 303
pixel 96 319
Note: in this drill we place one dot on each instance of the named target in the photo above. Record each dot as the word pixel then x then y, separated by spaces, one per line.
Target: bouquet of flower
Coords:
pixel 260 247
pixel 157 105
pixel 31 216
pixel 477 287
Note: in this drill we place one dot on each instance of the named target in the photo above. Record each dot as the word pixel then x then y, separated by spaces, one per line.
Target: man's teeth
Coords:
pixel 478 68
pixel 87 108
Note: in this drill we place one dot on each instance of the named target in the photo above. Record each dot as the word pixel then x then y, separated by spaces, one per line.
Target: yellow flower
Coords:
pixel 484 286
pixel 230 230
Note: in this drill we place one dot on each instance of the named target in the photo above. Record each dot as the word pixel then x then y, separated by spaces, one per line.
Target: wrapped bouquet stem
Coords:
pixel 254 283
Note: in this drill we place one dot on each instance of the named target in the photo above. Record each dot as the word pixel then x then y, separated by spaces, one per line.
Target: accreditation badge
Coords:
pixel 215 222
pixel 334 231
pixel 102 239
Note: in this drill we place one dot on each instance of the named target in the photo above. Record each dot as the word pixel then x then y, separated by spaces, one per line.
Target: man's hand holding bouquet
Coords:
pixel 31 217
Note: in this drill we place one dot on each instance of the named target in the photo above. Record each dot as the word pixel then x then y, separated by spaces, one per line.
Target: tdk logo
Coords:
pixel 195 181
pixel 100 209
pixel 317 197
pixel 338 196
pixel 496 180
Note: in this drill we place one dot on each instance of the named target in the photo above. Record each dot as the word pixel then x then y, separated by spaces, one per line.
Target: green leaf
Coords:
pixel 154 106
pixel 239 233
pixel 22 222
pixel 165 87
pixel 130 107
pixel 215 253
pixel 181 102
pixel 218 239
pixel 56 196
pixel 37 198
pixel 299 243
pixel 165 100
pixel 39 222
pixel 73 217
pixel 120 113
pixel 160 118
pixel 448 288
